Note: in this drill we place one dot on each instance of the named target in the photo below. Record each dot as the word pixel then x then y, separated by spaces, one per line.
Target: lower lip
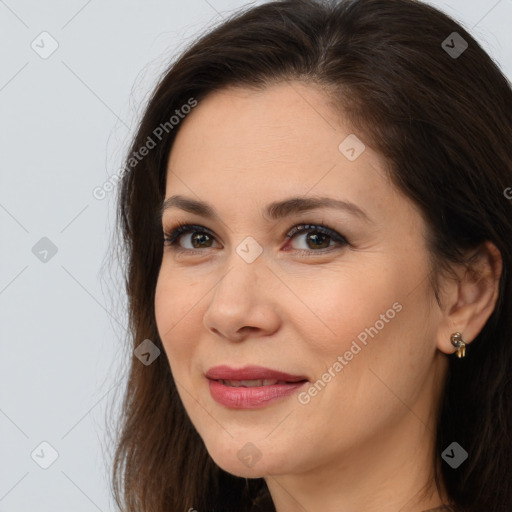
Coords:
pixel 250 398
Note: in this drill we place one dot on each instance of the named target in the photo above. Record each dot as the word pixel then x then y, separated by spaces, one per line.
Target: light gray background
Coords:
pixel 65 124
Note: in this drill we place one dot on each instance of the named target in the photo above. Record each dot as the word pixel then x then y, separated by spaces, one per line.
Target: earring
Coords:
pixel 458 342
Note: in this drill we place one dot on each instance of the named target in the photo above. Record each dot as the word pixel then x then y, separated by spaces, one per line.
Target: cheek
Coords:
pixel 174 305
pixel 374 318
pixel 177 294
pixel 347 304
pixel 385 337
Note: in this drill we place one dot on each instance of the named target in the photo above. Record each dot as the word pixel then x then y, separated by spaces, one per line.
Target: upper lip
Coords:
pixel 224 372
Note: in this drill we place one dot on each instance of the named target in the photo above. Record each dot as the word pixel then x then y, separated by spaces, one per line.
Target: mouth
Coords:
pixel 252 383
pixel 251 387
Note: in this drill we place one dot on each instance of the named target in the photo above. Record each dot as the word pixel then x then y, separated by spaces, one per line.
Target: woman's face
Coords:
pixel 346 312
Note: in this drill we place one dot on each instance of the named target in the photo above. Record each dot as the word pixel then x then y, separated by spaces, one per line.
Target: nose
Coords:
pixel 244 302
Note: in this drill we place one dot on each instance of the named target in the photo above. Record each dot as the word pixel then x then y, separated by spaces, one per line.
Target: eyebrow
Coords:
pixel 273 211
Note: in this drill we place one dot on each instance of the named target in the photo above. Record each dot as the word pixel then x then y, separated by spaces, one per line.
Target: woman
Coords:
pixel 319 244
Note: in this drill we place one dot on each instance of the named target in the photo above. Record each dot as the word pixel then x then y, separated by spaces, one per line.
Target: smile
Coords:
pixel 251 387
pixel 251 383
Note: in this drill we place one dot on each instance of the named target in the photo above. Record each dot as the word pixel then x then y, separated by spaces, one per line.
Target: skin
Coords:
pixel 365 441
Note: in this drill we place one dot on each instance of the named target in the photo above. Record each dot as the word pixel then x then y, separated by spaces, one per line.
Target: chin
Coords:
pixel 246 459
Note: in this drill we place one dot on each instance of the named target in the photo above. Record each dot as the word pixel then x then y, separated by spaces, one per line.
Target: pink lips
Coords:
pixel 255 396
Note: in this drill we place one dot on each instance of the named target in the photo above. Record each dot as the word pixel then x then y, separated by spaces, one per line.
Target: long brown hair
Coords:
pixel 442 114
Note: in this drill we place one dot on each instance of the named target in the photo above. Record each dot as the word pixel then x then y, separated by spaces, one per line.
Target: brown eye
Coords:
pixel 317 238
pixel 200 237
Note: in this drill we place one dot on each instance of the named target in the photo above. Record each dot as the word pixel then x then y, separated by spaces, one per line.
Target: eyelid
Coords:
pixel 182 228
pixel 172 235
pixel 320 228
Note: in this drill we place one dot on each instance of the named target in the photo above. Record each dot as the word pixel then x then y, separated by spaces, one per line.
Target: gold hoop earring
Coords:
pixel 458 342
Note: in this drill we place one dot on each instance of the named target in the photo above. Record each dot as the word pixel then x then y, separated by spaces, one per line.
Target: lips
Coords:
pixel 251 373
pixel 250 387
pixel 252 383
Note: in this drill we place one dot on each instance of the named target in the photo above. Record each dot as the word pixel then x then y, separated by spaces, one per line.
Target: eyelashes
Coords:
pixel 316 230
pixel 319 235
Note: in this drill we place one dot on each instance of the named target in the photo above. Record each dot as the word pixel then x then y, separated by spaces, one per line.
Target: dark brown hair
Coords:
pixel 443 121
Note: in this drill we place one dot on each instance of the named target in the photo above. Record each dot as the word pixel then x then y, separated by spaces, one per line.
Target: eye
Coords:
pixel 200 235
pixel 318 239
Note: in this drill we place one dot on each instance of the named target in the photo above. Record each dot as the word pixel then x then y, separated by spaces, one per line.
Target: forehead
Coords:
pixel 244 144
pixel 283 120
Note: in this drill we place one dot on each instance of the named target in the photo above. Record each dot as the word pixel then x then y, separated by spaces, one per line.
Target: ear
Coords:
pixel 469 300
